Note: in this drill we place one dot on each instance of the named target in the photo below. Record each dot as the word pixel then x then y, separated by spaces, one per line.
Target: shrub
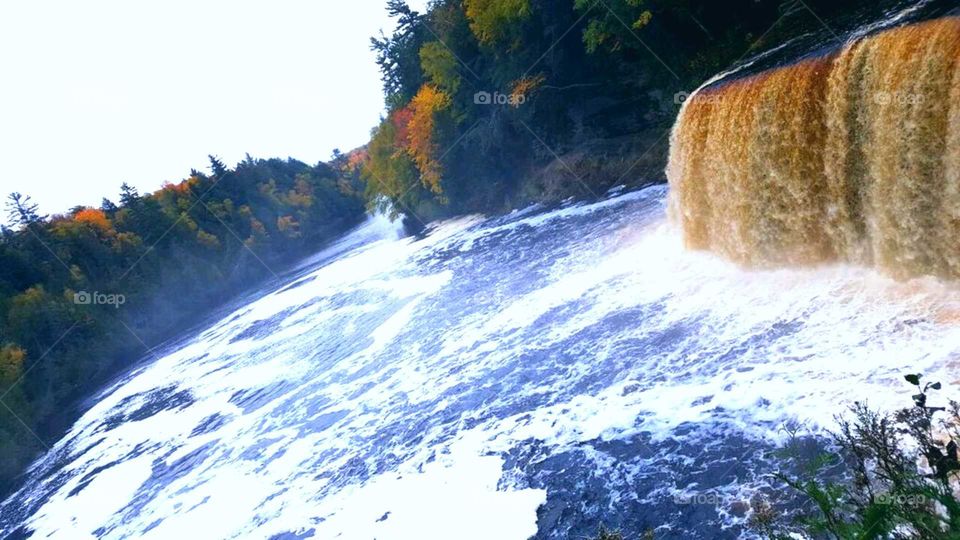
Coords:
pixel 899 469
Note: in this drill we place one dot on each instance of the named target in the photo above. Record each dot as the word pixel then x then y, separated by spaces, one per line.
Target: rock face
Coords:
pixel 852 156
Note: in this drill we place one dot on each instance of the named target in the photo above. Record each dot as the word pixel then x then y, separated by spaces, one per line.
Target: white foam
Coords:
pixel 334 435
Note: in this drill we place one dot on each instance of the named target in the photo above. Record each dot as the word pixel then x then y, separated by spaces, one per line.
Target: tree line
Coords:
pixel 497 103
pixel 85 292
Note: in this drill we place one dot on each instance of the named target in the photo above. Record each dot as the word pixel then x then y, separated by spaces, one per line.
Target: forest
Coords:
pixel 493 104
pixel 85 293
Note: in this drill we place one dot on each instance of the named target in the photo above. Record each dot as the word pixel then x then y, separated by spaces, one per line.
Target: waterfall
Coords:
pixel 850 156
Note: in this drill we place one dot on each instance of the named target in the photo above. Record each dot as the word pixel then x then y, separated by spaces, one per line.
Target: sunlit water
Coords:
pixel 535 374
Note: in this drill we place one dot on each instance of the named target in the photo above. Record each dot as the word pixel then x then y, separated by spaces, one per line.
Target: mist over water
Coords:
pixel 534 374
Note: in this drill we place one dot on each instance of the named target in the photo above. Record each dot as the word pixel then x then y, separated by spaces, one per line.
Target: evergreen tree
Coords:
pixel 21 210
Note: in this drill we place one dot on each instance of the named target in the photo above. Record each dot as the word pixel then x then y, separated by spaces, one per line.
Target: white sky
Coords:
pixel 99 92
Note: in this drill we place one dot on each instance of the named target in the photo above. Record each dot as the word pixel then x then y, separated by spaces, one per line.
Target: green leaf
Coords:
pixel 913 379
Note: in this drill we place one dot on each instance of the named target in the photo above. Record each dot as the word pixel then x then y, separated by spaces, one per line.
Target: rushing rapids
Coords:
pixel 851 156
pixel 534 374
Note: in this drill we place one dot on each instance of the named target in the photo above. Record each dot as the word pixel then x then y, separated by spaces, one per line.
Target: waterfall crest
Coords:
pixel 851 156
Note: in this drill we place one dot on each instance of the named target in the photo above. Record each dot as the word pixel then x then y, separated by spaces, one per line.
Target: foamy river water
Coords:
pixel 529 375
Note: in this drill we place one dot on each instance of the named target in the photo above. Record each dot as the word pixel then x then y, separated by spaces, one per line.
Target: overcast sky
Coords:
pixel 99 92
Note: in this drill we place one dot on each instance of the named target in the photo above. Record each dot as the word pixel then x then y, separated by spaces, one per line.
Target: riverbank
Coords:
pixel 84 294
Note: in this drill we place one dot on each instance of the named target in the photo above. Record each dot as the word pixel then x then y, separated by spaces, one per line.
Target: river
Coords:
pixel 534 374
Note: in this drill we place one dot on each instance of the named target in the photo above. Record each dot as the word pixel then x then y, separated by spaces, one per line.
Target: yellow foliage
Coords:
pixel 269 190
pixel 288 226
pixel 126 242
pixel 30 298
pixel 11 364
pixel 490 20
pixel 301 196
pixel 643 20
pixel 208 240
pixel 186 223
pixel 420 143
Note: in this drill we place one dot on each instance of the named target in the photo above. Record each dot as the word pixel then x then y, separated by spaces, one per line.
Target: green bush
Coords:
pixel 899 472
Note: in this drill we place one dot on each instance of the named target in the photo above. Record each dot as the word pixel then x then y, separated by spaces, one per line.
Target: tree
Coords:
pixel 388 171
pixel 11 365
pixel 129 196
pixel 94 218
pixel 490 20
pixel 398 55
pixel 21 210
pixel 171 259
pixel 217 167
pixel 440 66
pixel 609 27
pixel 421 143
pixel 107 206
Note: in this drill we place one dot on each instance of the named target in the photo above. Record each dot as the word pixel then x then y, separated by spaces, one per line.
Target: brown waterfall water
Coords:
pixel 853 156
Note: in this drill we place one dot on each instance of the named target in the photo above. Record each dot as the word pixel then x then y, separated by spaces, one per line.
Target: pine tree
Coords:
pixel 217 167
pixel 108 206
pixel 21 210
pixel 129 196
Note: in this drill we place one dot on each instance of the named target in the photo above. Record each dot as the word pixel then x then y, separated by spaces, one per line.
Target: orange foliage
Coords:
pixel 258 233
pixel 288 226
pixel 94 218
pixel 420 141
pixel 400 119
pixel 356 159
pixel 181 188
pixel 523 87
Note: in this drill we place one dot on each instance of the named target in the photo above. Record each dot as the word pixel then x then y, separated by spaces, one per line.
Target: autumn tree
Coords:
pixel 174 254
pixel 95 219
pixel 420 143
pixel 491 20
pixel 11 365
pixel 615 27
pixel 388 171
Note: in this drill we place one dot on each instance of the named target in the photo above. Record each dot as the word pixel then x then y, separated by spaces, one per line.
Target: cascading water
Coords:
pixel 852 156
pixel 543 372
